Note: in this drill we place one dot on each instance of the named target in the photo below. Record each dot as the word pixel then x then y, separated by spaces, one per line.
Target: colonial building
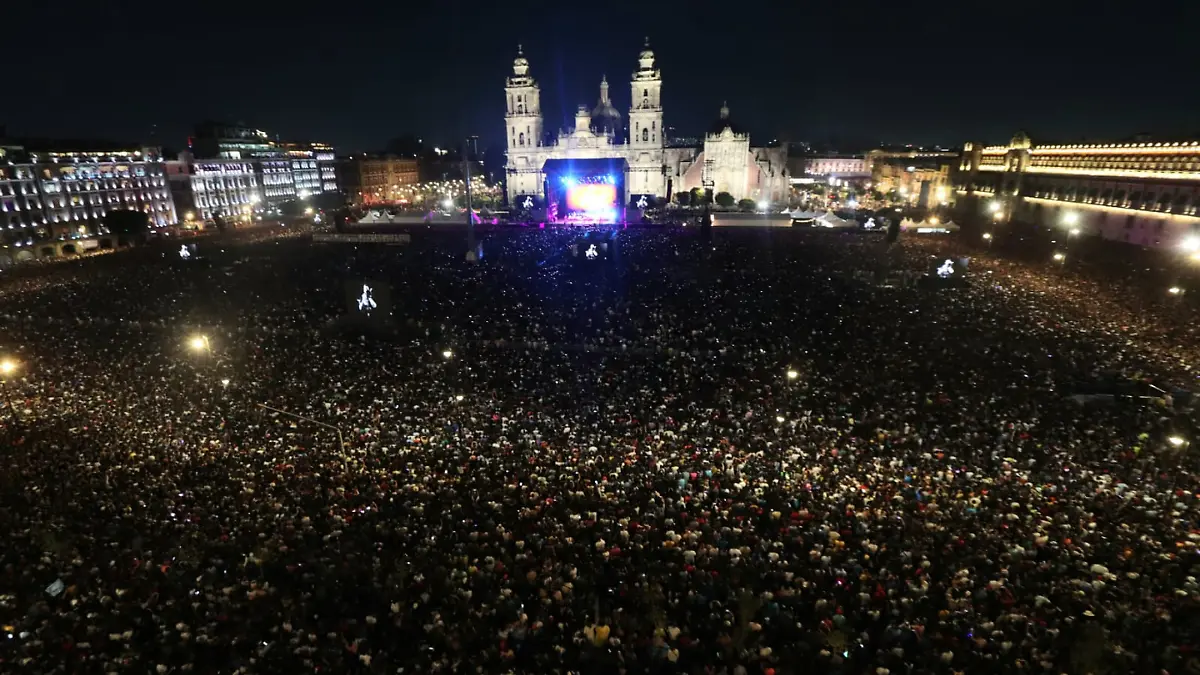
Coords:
pixel 65 193
pixel 725 162
pixel 1141 193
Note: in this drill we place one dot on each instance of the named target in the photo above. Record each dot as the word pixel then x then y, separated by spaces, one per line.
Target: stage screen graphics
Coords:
pixel 591 197
pixel 368 299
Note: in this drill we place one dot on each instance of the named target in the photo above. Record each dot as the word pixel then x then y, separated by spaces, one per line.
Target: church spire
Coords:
pixel 604 89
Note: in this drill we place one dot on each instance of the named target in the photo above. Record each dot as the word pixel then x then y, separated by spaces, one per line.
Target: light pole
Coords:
pixel 472 254
pixel 341 441
pixel 7 368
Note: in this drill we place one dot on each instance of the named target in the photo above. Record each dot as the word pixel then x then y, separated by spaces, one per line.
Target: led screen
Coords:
pixel 592 197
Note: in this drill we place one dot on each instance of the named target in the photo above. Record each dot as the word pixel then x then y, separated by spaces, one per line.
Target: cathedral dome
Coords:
pixel 723 123
pixel 605 118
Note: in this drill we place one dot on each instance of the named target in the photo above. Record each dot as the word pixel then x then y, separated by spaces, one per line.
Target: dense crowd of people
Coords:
pixel 689 455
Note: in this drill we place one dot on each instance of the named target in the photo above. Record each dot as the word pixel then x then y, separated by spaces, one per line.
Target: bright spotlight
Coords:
pixel 1175 290
pixel 447 354
pixel 198 342
pixel 1191 244
pixel 791 374
pixel 1070 218
pixel 994 206
pixel 933 220
pixel 1175 441
pixel 1059 257
pixel 1074 231
pixel 448 203
pixel 8 366
pixel 764 205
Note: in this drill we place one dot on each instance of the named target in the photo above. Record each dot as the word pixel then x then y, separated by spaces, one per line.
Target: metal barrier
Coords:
pixel 337 238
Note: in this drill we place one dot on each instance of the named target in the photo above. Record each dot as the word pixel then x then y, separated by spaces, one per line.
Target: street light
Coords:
pixel 1058 257
pixel 994 206
pixel 1190 244
pixel 791 374
pixel 1175 290
pixel 199 343
pixel 1070 218
pixel 8 367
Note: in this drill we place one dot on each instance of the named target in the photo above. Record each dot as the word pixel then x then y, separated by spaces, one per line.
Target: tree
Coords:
pixel 725 199
pixel 127 222
pixel 683 198
pixel 697 196
pixel 745 204
pixel 817 189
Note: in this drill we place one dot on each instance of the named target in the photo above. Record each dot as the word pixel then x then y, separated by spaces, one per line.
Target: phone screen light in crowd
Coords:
pixel 1175 290
pixel 780 419
pixel 792 374
pixel 447 354
pixel 225 382
pixel 987 236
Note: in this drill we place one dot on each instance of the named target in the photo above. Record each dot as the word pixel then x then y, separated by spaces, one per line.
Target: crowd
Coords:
pixel 692 456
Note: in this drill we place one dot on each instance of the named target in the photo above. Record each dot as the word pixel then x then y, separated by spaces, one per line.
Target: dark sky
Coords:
pixel 358 73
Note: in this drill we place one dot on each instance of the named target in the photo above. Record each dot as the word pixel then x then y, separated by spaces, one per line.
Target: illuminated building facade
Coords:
pixel 66 194
pixel 725 161
pixel 837 166
pixel 282 171
pixel 228 188
pixel 1140 193
pixel 383 179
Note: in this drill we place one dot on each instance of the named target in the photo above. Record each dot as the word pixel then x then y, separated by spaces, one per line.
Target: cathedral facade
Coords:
pixel 726 162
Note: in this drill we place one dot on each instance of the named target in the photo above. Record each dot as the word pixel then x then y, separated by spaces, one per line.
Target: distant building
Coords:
pixel 382 179
pixel 238 170
pixel 921 178
pixel 1144 193
pixel 65 192
pixel 846 167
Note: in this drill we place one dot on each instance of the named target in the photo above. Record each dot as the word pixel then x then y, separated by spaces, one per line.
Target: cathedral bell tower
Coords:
pixel 645 112
pixel 524 117
pixel 523 127
pixel 647 172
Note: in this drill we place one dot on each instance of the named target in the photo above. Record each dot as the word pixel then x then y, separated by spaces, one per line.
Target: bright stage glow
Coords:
pixel 594 197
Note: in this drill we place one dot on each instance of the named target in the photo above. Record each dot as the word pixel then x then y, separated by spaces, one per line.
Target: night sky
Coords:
pixel 356 74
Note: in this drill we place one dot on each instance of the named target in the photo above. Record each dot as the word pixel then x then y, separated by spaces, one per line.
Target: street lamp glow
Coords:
pixel 1191 244
pixel 933 220
pixel 987 236
pixel 1070 218
pixel 1175 290
pixel 764 205
pixel 994 206
pixel 448 203
pixel 8 366
pixel 198 342
pixel 791 374
pixel 1175 441
pixel 1059 257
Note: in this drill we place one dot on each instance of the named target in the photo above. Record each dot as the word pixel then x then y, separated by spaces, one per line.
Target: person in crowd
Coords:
pixel 724 457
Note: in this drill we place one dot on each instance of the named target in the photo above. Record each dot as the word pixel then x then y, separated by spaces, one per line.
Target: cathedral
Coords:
pixel 726 161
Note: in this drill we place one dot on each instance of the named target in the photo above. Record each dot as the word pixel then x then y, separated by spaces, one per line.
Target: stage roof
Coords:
pixel 586 167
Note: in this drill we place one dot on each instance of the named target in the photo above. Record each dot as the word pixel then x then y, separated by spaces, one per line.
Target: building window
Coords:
pixel 645 134
pixel 521 139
